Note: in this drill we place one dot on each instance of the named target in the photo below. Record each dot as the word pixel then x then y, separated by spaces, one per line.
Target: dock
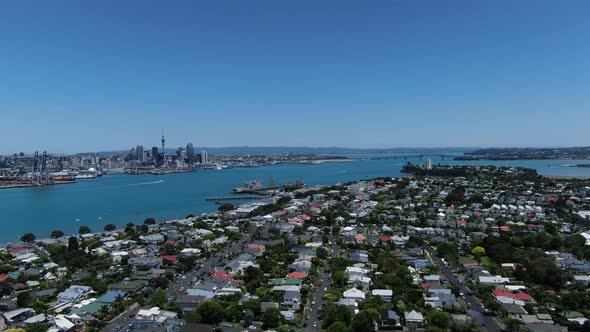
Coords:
pixel 233 198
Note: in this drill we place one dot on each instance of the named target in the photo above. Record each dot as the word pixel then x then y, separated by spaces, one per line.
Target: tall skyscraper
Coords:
pixel 190 153
pixel 429 164
pixel 155 156
pixel 181 153
pixel 204 159
pixel 139 153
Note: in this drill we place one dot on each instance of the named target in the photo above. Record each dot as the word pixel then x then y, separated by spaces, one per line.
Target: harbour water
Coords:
pixel 119 199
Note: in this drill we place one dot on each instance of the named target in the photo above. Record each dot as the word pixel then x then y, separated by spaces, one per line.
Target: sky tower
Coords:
pixel 163 146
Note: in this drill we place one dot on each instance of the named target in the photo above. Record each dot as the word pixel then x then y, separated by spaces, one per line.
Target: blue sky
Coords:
pixel 79 76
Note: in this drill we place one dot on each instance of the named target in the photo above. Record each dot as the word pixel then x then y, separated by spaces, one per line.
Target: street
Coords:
pixel 312 317
pixel 474 305
pixel 182 283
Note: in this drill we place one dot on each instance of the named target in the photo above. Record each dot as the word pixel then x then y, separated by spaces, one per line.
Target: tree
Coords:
pixel 28 237
pixel 338 327
pixel 322 253
pixel 448 251
pixel 340 278
pixel 332 313
pixel 109 227
pixel 365 320
pixel 149 221
pixel 478 251
pixel 400 306
pixel 130 229
pixel 56 234
pixel 271 318
pixel 158 298
pixel 513 325
pixel 211 312
pixel 37 327
pixel 84 230
pixel 225 207
pixel 438 318
pixel 73 244
pixel 143 229
pixel 23 299
pixel 233 312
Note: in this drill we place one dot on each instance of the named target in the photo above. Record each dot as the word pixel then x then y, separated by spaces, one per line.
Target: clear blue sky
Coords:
pixel 80 76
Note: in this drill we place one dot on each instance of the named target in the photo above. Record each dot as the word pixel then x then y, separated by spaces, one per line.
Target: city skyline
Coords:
pixel 393 74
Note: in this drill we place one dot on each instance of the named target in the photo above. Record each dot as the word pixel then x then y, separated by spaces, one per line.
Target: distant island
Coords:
pixel 527 154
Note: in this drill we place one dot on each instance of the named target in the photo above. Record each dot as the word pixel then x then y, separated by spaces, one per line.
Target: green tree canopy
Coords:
pixel 211 312
pixel 56 234
pixel 73 243
pixel 109 227
pixel 478 251
pixel 340 278
pixel 158 298
pixel 84 230
pixel 439 318
pixel 23 299
pixel 225 207
pixel 335 313
pixel 271 318
pixel 339 327
pixel 365 320
pixel 149 221
pixel 28 237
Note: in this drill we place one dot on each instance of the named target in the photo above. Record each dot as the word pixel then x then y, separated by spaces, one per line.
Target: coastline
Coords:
pixel 30 185
pixel 567 177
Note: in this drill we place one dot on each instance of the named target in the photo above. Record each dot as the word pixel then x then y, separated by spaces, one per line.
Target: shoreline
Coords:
pixel 30 185
pixel 567 177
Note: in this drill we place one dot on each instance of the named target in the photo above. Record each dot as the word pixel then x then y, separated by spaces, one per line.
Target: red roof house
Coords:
pixel 297 275
pixel 517 296
pixel 222 275
pixel 18 250
pixel 169 258
pixel 384 238
pixel 256 246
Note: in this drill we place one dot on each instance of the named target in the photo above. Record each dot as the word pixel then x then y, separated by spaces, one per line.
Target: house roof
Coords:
pixel 111 296
pixel 222 275
pixel 297 275
pixel 518 296
pixel 413 316
pixel 170 258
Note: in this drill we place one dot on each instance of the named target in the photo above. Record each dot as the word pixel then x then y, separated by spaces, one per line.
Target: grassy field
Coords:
pixel 485 261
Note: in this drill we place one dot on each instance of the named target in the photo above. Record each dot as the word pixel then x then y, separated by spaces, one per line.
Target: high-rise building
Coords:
pixel 181 153
pixel 155 156
pixel 163 147
pixel 429 164
pixel 139 153
pixel 204 159
pixel 190 153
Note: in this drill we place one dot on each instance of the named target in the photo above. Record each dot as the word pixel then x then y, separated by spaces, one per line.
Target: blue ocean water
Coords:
pixel 120 199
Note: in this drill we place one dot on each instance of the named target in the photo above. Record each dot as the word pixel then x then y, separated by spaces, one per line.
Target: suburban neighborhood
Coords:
pixel 443 249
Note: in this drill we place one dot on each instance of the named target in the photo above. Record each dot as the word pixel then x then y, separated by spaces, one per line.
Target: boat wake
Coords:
pixel 146 183
pixel 341 172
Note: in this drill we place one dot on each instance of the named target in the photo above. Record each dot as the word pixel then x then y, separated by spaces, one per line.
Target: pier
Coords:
pixel 233 198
